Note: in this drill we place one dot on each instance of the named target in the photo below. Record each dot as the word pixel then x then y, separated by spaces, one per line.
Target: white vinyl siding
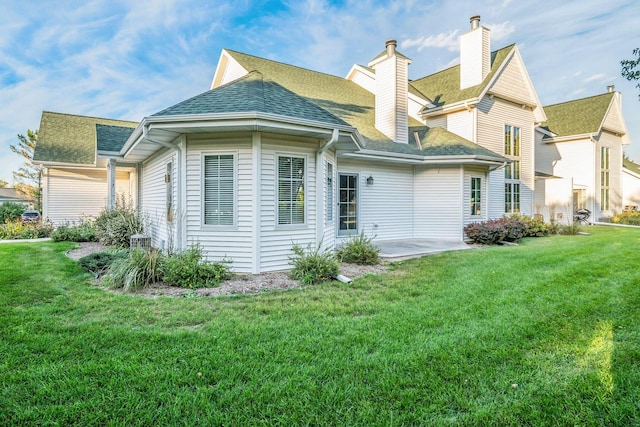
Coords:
pixel 511 82
pixel 438 203
pixel 219 189
pixel 74 194
pixel 276 240
pixel 386 207
pixel 154 199
pixel 221 242
pixel 492 116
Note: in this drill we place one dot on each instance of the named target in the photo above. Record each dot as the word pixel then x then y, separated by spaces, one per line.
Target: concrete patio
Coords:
pixel 400 249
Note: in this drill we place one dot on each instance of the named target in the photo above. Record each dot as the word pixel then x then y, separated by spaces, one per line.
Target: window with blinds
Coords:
pixel 291 197
pixel 219 189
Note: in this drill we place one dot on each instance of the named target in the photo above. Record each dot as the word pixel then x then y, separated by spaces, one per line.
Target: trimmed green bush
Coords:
pixel 10 211
pixel 140 269
pixel 116 226
pixel 83 232
pixel 509 228
pixel 313 265
pixel 188 269
pixel 359 249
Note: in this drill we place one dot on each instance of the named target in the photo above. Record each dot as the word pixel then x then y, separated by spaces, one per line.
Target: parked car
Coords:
pixel 30 216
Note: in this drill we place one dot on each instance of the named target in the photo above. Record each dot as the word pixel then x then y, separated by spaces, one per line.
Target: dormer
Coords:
pixel 475 54
pixel 391 93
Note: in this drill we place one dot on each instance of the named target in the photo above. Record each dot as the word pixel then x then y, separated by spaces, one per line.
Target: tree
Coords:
pixel 29 176
pixel 3 183
pixel 631 67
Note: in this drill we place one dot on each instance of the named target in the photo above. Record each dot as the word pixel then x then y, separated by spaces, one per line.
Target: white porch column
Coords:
pixel 256 151
pixel 111 184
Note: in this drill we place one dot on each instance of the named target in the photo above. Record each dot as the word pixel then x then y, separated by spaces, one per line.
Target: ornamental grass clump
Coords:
pixel 114 227
pixel 140 269
pixel 188 269
pixel 359 249
pixel 313 265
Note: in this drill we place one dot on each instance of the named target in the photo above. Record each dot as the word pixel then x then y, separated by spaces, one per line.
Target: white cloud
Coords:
pixel 596 77
pixel 448 40
pixel 501 32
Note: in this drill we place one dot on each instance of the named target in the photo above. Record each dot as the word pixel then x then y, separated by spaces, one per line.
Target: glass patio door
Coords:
pixel 348 204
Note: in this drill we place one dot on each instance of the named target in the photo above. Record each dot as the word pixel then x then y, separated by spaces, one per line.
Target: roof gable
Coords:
pixel 578 117
pixel 68 138
pixel 443 87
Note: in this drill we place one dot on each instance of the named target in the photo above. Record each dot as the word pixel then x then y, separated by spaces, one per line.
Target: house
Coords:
pixel 15 196
pixel 76 167
pixel 273 154
pixel 579 152
pixel 630 185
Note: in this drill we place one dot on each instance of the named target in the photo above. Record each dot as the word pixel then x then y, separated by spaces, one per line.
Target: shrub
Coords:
pixel 536 227
pixel 515 227
pixel 187 269
pixel 116 226
pixel 10 211
pixel 359 249
pixel 83 232
pixel 140 269
pixel 98 263
pixel 629 218
pixel 313 265
pixel 12 230
pixel 487 233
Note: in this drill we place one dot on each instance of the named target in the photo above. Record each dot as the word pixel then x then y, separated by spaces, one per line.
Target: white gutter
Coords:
pixel 320 184
pixel 179 156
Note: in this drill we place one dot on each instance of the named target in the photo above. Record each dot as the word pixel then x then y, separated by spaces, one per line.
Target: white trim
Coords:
pixel 256 151
pixel 358 207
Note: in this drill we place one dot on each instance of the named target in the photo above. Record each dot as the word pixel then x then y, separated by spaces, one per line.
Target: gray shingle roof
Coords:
pixel 253 93
pixel 111 138
pixel 69 138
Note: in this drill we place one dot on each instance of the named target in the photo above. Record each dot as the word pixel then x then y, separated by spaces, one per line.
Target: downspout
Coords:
pixel 320 184
pixel 179 154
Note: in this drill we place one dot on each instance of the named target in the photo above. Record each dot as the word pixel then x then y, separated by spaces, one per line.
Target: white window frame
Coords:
pixel 512 183
pixel 605 178
pixel 305 185
pixel 204 155
pixel 473 203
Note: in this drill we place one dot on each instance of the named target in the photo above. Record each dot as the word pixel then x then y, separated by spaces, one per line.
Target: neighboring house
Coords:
pixel 274 154
pixel 15 196
pixel 579 158
pixel 630 184
pixel 77 154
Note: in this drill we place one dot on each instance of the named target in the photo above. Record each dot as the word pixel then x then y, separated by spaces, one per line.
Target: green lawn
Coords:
pixel 546 333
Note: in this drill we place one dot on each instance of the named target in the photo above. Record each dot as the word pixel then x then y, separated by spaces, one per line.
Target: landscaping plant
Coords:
pixel 629 218
pixel 140 269
pixel 85 231
pixel 359 249
pixel 114 227
pixel 12 230
pixel 312 265
pixel 10 211
pixel 98 263
pixel 188 269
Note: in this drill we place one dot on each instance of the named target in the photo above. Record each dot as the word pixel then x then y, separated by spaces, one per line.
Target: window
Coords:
pixel 512 170
pixel 604 178
pixel 219 189
pixel 329 192
pixel 168 178
pixel 579 199
pixel 476 196
pixel 291 203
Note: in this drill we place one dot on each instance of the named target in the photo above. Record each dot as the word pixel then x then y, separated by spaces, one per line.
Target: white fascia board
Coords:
pixel 543 131
pixel 630 172
pixel 419 159
pixel 66 165
pixel 569 138
pixel 452 108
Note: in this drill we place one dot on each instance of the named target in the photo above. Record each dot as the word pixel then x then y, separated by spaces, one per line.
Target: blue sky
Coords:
pixel 129 59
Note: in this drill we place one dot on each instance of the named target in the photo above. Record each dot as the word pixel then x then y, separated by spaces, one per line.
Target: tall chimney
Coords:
pixel 475 54
pixel 392 93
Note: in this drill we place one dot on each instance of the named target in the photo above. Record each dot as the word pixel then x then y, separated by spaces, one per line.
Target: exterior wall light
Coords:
pixel 370 180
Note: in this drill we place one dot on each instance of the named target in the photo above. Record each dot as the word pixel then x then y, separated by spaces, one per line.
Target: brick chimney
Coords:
pixel 475 54
pixel 392 87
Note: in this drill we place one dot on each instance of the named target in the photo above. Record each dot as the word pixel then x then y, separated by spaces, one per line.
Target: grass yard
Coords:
pixel 546 333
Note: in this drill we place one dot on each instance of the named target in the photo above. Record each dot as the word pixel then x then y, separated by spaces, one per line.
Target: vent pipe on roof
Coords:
pixel 475 21
pixel 611 88
pixel 391 47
